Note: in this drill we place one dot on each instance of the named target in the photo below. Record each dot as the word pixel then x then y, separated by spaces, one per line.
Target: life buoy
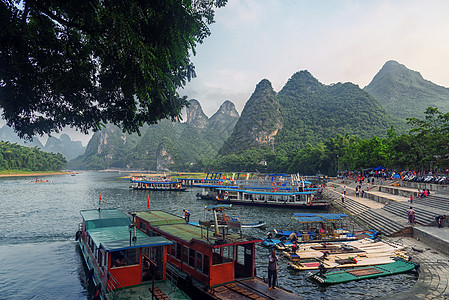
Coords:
pixel 226 194
pixel 274 184
pixel 273 189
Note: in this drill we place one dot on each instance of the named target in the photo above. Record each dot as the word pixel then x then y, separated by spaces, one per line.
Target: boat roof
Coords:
pixel 99 218
pixel 176 227
pixel 216 186
pixel 109 228
pixel 308 219
pixel 157 218
pixel 314 218
pixel 217 206
pixel 327 217
pixel 266 193
pixel 157 182
pixel 117 238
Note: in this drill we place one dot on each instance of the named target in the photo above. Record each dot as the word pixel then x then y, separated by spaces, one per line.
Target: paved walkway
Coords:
pixel 429 247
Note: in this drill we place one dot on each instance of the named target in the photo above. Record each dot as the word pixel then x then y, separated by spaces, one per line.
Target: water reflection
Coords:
pixel 39 221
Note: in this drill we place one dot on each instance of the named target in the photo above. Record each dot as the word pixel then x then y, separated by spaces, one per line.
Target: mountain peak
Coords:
pixel 227 108
pixel 404 92
pixel 195 115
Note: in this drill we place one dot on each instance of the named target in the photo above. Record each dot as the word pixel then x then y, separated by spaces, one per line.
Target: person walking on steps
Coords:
pixel 411 216
pixel 272 270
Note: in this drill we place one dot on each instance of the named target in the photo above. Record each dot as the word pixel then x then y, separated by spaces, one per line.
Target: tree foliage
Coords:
pixel 85 63
pixel 16 157
pixel 426 146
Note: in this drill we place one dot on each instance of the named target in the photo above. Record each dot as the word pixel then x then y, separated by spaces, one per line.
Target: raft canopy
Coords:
pixel 315 218
pixel 219 206
pixel 326 217
pixel 309 219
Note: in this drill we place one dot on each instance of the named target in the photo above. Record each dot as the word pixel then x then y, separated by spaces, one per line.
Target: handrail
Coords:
pixel 112 283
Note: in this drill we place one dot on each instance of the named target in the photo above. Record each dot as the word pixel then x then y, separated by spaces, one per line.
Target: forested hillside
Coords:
pixel 16 157
pixel 405 93
pixel 313 112
pixel 163 146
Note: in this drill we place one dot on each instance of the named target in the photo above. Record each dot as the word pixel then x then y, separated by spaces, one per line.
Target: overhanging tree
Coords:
pixel 85 63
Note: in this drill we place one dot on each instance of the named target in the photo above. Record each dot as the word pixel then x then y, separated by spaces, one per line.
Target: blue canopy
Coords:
pixel 379 168
pixel 309 219
pixel 323 217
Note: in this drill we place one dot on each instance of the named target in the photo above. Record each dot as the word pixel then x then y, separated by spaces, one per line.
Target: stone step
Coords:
pixel 380 223
pixel 400 209
pixel 437 202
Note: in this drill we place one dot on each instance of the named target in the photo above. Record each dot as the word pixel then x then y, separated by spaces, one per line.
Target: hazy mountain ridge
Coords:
pixel 306 111
pixel 64 145
pixel 163 146
pixel 259 123
pixel 405 93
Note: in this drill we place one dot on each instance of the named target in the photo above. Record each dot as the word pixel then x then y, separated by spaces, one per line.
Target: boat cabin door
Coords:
pixel 244 261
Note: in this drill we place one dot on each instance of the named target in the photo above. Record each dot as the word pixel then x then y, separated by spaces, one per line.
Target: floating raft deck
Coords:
pixel 335 277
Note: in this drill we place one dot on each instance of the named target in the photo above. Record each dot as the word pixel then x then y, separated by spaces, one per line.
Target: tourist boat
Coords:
pixel 210 263
pixel 209 191
pixel 341 276
pixel 157 185
pixel 122 261
pixel 273 197
pixel 223 219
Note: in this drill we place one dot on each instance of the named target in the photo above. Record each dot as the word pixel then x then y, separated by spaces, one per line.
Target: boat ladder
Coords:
pixel 172 276
pixel 112 284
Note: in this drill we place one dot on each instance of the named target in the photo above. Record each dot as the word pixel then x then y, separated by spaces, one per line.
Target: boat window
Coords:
pixel 178 251
pixel 185 254
pixel 100 257
pixel 199 261
pixel 124 258
pixel 206 264
pixel 202 263
pixel 142 226
pixel 222 255
pixel 192 258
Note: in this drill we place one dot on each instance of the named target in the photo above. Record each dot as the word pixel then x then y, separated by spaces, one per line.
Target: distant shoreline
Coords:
pixel 18 174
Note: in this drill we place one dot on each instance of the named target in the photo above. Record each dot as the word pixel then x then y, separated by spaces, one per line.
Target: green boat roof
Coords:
pixel 117 238
pixel 109 228
pixel 95 218
pixel 157 218
pixel 177 227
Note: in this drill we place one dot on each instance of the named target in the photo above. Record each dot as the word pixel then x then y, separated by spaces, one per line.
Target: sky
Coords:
pixel 335 40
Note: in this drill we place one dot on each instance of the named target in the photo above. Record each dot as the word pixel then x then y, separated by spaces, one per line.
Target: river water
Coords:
pixel 38 221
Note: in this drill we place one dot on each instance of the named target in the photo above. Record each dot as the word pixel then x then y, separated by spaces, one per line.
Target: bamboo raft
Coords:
pixel 397 267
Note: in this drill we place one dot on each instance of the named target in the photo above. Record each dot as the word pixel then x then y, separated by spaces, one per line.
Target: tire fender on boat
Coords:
pixel 77 235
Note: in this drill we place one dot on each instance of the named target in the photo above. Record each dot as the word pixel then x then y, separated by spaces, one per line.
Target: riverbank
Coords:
pixel 18 173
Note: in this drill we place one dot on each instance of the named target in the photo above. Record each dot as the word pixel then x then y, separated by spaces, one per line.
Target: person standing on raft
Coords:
pixel 272 270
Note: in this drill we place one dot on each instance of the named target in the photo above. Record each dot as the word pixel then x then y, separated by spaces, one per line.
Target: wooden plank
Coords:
pixel 363 272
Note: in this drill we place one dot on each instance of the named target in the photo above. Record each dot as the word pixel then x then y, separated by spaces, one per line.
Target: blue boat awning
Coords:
pixel 308 219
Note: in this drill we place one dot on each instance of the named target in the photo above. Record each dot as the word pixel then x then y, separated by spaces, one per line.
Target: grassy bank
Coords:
pixel 7 173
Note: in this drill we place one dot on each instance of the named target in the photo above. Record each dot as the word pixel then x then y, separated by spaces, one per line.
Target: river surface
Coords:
pixel 38 222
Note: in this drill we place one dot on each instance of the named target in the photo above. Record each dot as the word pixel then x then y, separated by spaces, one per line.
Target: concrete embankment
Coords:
pixel 384 208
